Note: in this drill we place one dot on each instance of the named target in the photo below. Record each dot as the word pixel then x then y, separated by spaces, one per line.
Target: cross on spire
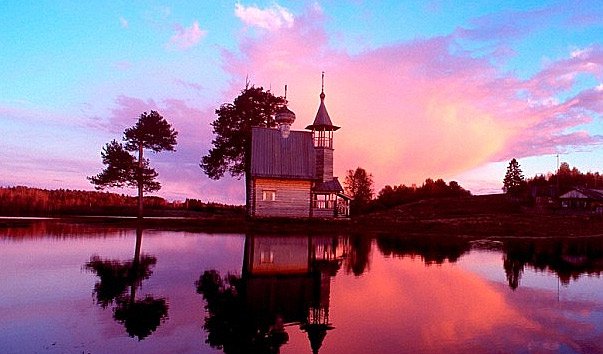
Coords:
pixel 322 90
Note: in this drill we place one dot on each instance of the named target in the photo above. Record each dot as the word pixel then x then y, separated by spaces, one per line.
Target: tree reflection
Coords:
pixel 140 317
pixel 285 281
pixel 359 257
pixel 433 250
pixel 230 324
pixel 569 258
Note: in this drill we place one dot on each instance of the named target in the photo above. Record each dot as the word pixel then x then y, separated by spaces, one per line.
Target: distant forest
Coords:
pixel 391 196
pixel 555 184
pixel 26 201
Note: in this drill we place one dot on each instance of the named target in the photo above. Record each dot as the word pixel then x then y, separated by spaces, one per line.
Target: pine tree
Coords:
pixel 124 169
pixel 514 180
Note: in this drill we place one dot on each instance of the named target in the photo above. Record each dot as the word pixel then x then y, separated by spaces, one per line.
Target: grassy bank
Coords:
pixel 489 215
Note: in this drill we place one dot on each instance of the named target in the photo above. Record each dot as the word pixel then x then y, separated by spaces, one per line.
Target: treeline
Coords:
pixel 391 196
pixel 26 201
pixel 567 178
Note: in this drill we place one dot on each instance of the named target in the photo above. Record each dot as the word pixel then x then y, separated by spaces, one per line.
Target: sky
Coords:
pixel 420 89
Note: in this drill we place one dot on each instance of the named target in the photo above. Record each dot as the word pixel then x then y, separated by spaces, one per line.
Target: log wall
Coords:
pixel 324 164
pixel 292 198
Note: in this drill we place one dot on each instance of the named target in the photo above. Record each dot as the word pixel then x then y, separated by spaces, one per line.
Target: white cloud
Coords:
pixel 580 52
pixel 186 37
pixel 123 22
pixel 271 18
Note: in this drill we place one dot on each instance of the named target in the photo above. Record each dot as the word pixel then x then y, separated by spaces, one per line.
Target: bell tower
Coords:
pixel 322 134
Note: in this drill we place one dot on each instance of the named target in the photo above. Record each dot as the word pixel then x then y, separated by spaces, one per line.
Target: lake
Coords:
pixel 68 288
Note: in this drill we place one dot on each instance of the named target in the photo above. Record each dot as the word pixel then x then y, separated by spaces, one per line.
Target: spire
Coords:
pixel 322 120
pixel 322 89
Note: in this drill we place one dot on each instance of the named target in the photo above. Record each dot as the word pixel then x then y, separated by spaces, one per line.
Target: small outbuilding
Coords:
pixel 584 199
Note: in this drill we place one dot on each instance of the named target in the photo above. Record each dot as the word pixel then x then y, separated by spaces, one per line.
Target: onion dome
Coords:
pixel 284 116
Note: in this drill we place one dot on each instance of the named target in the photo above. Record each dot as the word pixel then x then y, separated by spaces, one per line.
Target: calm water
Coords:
pixel 74 289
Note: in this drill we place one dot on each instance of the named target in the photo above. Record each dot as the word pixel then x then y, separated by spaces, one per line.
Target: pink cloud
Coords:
pixel 186 37
pixel 418 109
pixel 271 18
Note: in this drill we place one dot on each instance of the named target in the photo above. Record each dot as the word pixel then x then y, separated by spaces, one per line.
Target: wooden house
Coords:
pixel 590 200
pixel 292 171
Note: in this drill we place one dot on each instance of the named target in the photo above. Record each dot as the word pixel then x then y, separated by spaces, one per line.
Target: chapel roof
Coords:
pixel 277 157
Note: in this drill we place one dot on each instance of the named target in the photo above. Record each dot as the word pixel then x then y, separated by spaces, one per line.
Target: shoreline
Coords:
pixel 519 225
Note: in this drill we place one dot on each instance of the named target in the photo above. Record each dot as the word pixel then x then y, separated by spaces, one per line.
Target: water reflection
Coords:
pixel 432 249
pixel 567 258
pixel 285 282
pixel 345 293
pixel 359 255
pixel 140 317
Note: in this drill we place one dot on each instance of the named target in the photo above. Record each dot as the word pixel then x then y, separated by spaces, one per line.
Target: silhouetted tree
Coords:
pixel 359 185
pixel 513 182
pixel 231 151
pixel 151 132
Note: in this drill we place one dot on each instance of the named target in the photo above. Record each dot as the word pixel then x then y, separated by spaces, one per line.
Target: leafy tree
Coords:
pixel 123 169
pixel 514 181
pixel 231 151
pixel 359 185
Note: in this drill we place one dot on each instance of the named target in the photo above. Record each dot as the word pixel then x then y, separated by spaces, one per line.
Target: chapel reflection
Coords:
pixel 285 282
pixel 140 317
pixel 568 258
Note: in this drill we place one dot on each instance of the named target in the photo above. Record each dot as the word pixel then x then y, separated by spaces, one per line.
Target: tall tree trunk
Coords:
pixel 140 181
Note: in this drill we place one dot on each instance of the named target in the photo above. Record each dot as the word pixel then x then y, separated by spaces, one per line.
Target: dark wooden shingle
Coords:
pixel 278 157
